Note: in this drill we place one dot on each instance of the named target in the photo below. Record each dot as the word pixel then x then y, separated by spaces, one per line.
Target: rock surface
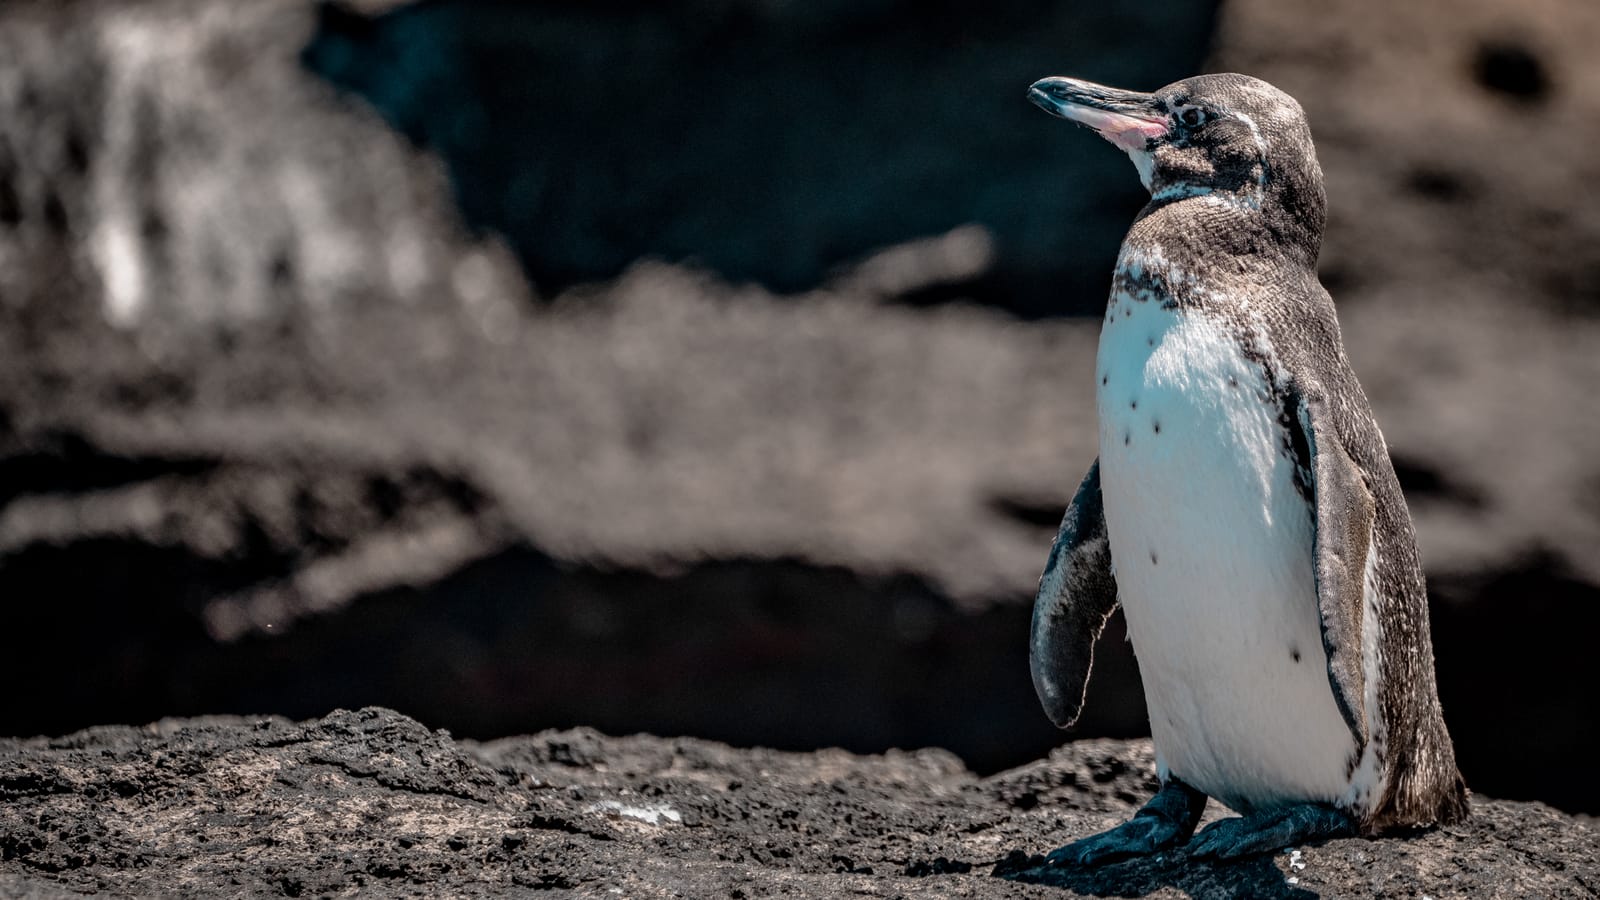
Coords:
pixel 279 431
pixel 372 800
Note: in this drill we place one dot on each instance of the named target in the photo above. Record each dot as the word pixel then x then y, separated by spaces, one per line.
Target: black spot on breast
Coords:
pixel 1104 379
pixel 1158 427
pixel 1127 312
pixel 1294 653
pixel 1126 439
pixel 1295 444
pixel 1150 342
pixel 1233 381
pixel 1152 557
pixel 1133 404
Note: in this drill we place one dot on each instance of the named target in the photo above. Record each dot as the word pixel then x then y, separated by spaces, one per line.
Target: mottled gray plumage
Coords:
pixel 1232 234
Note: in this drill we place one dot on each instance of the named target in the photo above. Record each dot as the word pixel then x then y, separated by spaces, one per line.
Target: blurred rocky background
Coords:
pixel 721 368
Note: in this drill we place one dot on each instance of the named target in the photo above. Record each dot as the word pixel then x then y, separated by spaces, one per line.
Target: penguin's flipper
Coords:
pixel 1077 593
pixel 1343 519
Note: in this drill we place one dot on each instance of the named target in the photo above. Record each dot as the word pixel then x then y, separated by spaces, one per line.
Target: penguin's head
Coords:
pixel 1232 138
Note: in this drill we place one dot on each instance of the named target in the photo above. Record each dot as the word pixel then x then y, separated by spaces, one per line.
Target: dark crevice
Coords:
pixel 63 462
pixel 1438 185
pixel 1511 70
pixel 542 822
pixel 1034 512
pixel 922 868
pixel 353 770
pixel 1511 646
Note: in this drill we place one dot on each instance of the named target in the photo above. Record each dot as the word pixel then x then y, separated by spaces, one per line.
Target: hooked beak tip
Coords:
pixel 1040 98
pixel 1128 119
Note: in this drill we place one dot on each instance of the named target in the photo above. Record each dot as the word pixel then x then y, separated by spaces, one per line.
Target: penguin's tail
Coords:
pixel 1425 788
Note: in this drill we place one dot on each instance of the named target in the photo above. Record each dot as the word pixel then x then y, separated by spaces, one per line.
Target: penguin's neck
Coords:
pixel 1217 235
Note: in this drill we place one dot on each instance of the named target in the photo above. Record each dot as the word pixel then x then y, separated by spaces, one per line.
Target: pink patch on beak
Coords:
pixel 1126 132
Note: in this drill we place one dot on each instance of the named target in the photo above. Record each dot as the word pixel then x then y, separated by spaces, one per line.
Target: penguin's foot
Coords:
pixel 1166 821
pixel 1271 830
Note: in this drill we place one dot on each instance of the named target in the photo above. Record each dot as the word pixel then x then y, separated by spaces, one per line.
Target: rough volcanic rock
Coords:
pixel 278 432
pixel 371 800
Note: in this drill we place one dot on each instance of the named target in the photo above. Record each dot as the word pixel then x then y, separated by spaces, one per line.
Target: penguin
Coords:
pixel 1243 508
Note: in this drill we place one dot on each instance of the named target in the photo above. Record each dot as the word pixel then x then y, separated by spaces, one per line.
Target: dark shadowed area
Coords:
pixel 773 142
pixel 722 369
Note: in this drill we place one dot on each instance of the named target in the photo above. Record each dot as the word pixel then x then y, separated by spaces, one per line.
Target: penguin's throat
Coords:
pixel 1244 197
pixel 1145 162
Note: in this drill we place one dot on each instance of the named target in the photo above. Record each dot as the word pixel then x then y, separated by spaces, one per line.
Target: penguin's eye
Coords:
pixel 1192 117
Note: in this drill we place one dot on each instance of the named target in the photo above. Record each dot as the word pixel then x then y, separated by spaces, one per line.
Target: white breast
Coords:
pixel 1212 548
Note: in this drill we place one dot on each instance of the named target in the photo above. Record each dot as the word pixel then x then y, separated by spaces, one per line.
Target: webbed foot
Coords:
pixel 1166 821
pixel 1271 830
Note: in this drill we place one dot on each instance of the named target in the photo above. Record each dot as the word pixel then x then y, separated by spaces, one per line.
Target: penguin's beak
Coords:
pixel 1127 119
